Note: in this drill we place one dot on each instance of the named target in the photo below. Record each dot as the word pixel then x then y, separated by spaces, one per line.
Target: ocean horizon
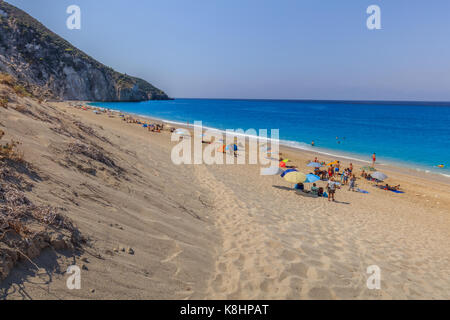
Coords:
pixel 413 134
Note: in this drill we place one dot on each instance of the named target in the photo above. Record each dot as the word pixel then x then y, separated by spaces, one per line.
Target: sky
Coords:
pixel 266 49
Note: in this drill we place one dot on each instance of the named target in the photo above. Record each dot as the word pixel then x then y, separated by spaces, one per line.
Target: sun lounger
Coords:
pixel 307 194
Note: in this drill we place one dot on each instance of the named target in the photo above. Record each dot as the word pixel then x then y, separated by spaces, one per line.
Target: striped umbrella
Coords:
pixel 287 171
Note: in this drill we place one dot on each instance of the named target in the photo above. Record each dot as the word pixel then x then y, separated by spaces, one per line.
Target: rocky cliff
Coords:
pixel 37 56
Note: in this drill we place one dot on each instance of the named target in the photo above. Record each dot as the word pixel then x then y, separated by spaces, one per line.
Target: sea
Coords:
pixel 410 134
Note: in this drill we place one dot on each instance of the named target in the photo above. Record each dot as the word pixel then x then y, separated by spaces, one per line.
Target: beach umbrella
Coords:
pixel 232 147
pixel 310 178
pixel 270 171
pixel 379 176
pixel 368 168
pixel 295 177
pixel 314 164
pixel 287 171
pixel 181 132
pixel 334 162
pixel 222 148
pixel 285 160
pixel 282 164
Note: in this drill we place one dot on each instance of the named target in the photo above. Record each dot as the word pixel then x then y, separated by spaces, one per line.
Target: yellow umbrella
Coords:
pixel 334 162
pixel 295 177
pixel 286 160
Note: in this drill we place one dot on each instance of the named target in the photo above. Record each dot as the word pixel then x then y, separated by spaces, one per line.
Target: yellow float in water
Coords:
pixel 441 166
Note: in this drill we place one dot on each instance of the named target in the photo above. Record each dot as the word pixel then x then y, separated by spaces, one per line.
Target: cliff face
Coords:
pixel 37 56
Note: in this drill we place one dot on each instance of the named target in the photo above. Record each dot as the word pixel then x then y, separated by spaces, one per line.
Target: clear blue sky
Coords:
pixel 289 49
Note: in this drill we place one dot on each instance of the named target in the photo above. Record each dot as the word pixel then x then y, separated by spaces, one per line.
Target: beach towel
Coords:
pixel 306 194
pixel 361 191
pixel 397 191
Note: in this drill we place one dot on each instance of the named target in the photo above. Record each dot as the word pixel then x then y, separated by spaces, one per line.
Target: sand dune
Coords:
pixel 225 232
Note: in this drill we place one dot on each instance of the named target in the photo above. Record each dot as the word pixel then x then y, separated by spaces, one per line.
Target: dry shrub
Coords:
pixel 7 79
pixel 21 91
pixel 17 211
pixel 16 225
pixel 10 150
pixel 49 216
pixel 4 102
pixel 92 152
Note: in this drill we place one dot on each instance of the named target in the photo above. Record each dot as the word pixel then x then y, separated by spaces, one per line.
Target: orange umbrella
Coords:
pixel 222 148
pixel 282 164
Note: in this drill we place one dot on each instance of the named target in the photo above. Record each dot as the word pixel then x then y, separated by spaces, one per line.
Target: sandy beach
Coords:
pixel 217 231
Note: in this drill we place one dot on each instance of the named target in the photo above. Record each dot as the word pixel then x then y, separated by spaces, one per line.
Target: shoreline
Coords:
pixel 407 169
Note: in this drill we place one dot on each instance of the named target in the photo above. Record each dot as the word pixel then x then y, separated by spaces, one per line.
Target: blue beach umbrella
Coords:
pixel 314 164
pixel 287 171
pixel 310 178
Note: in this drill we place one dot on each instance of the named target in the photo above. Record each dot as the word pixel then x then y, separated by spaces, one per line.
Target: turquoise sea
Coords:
pixel 415 135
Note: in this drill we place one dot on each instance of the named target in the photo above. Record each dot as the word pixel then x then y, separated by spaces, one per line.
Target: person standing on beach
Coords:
pixel 374 158
pixel 330 172
pixel 352 183
pixel 331 189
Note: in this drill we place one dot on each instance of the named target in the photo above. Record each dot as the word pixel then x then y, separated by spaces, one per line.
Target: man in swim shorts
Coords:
pixel 331 189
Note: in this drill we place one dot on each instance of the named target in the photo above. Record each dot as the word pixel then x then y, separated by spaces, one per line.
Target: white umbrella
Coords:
pixel 270 171
pixel 182 132
pixel 379 175
pixel 314 164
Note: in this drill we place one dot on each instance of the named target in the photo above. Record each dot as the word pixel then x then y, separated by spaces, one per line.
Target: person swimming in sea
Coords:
pixel 312 143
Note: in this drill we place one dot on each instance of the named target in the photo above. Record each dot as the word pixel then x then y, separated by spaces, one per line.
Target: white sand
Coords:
pixel 225 231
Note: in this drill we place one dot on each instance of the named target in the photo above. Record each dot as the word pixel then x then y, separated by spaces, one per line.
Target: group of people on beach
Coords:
pixel 336 178
pixel 152 127
pixel 333 175
pixel 347 177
